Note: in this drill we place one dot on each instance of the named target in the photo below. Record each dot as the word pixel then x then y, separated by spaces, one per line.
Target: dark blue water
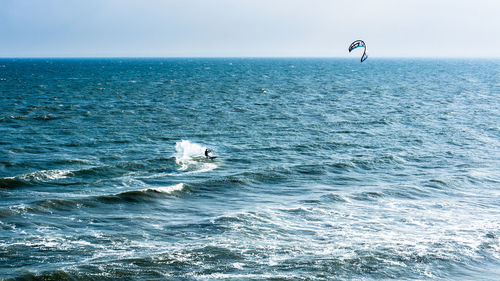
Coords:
pixel 327 169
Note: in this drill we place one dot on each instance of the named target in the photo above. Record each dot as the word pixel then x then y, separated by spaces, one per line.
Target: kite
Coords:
pixel 357 44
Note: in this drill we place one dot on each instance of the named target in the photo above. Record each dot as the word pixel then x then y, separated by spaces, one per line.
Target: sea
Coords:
pixel 326 169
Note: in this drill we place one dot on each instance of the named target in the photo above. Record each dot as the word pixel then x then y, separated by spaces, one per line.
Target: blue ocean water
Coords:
pixel 327 169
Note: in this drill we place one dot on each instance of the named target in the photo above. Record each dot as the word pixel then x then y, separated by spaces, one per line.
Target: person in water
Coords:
pixel 207 151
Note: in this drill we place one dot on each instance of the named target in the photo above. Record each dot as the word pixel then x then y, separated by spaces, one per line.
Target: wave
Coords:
pixel 188 160
pixel 12 182
pixel 139 195
pixel 164 189
pixel 153 168
pixel 33 178
pixel 75 161
pixel 142 195
pixel 46 175
pixel 48 206
pixel 332 197
pixel 220 262
pixel 48 117
pixel 368 196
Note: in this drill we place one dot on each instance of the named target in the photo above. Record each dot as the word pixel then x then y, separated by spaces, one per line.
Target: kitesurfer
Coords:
pixel 207 151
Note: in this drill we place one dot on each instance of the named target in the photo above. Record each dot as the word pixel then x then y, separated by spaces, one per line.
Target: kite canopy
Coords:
pixel 357 44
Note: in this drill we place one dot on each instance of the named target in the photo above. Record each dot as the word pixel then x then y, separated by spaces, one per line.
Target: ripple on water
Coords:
pixel 326 169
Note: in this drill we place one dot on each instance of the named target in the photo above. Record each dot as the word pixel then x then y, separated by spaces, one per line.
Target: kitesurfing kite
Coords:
pixel 357 44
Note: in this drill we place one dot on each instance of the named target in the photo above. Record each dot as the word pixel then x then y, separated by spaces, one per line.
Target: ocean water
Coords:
pixel 327 169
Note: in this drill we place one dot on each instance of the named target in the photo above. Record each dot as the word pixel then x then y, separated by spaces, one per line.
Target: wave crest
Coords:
pixel 33 178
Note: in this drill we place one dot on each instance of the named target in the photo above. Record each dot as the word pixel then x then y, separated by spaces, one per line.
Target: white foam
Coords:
pixel 167 189
pixel 185 150
pixel 159 175
pixel 46 175
pixel 161 189
pixel 205 167
pixel 191 157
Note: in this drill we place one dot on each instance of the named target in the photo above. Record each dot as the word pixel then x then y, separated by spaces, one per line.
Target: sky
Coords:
pixel 248 28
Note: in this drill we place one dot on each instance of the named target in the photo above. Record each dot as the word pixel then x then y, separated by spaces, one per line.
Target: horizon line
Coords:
pixel 245 57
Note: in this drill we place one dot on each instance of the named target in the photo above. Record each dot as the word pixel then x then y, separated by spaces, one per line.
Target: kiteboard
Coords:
pixel 212 157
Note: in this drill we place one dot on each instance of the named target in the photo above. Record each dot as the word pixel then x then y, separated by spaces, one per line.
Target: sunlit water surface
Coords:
pixel 327 169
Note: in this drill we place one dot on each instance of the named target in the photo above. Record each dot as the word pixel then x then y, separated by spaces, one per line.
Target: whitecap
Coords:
pixel 166 189
pixel 45 175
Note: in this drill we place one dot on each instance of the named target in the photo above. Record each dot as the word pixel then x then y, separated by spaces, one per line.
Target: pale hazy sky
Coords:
pixel 248 28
